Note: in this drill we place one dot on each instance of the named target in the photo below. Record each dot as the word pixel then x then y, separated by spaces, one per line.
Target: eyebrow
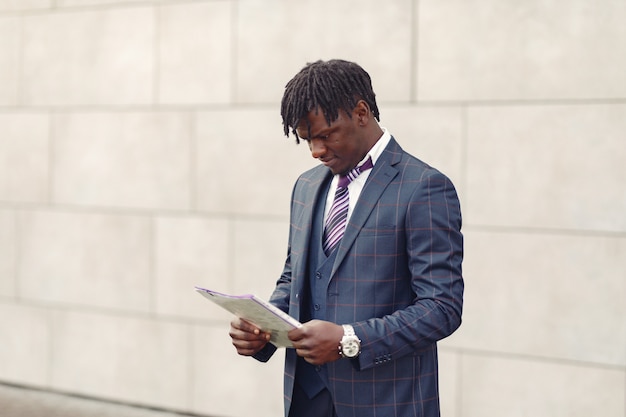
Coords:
pixel 323 132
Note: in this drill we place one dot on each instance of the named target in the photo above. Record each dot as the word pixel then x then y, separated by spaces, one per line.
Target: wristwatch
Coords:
pixel 350 345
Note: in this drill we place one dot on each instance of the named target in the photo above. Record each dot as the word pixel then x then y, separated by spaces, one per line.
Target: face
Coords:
pixel 340 146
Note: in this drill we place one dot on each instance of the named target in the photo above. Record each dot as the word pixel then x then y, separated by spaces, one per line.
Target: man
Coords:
pixel 376 287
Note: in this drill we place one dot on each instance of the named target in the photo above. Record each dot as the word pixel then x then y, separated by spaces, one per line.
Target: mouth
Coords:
pixel 331 164
pixel 327 162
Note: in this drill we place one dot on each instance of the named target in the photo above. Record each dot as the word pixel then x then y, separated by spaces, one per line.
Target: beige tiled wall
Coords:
pixel 530 50
pixel 547 166
pixel 122 159
pixel 88 57
pixel 9 53
pixel 141 153
pixel 199 34
pixel 24 150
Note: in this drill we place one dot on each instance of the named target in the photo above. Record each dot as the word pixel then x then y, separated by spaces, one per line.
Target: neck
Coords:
pixel 372 136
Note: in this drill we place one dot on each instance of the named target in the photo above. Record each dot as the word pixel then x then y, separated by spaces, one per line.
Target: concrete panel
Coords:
pixel 136 160
pixel 24 5
pixel 8 253
pixel 277 38
pixel 24 156
pixel 245 164
pixel 545 295
pixel 547 166
pixel 432 134
pixel 104 56
pixel 449 382
pixel 97 260
pixel 25 347
pixel 507 50
pixel 79 3
pixel 136 360
pixel 501 387
pixel 225 384
pixel 195 47
pixel 9 59
pixel 260 250
pixel 192 252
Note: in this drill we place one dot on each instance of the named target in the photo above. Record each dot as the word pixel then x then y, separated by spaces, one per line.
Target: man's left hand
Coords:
pixel 317 341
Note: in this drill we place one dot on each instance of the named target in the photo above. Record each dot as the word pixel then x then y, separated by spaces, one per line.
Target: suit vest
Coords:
pixel 311 378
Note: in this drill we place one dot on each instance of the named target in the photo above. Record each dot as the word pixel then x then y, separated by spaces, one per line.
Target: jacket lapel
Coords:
pixel 308 197
pixel 382 174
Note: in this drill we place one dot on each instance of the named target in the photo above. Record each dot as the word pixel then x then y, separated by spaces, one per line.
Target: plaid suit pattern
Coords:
pixel 397 279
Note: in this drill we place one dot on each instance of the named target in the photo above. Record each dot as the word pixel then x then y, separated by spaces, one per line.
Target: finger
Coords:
pixel 246 336
pixel 245 326
pixel 296 334
pixel 250 327
pixel 248 347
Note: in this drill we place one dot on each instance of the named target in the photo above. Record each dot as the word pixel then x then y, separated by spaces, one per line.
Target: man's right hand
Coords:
pixel 247 338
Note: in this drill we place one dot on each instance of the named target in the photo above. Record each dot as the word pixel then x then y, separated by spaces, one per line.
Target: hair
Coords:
pixel 327 86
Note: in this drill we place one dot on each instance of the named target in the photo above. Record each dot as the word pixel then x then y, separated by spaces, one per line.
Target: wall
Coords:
pixel 141 153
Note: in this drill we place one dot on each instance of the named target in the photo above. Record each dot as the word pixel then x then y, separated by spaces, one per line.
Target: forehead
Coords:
pixel 315 123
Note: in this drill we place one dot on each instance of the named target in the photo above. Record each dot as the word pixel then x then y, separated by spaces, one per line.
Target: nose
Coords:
pixel 317 148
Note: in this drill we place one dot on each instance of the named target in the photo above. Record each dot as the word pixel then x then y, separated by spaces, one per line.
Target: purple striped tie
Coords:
pixel 338 214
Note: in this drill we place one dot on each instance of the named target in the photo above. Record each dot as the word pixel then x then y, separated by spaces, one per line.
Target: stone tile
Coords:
pixel 547 166
pixel 8 253
pixel 25 347
pixel 24 156
pixel 9 59
pixel 24 5
pixel 225 384
pixel 195 64
pixel 501 387
pixel 432 134
pixel 449 381
pixel 96 260
pixel 192 251
pixel 135 160
pixel 89 57
pixel 244 163
pixel 276 39
pixel 123 358
pixel 260 248
pixel 79 3
pixel 554 296
pixel 494 50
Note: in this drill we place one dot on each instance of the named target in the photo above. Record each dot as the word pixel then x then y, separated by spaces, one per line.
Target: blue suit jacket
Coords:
pixel 396 279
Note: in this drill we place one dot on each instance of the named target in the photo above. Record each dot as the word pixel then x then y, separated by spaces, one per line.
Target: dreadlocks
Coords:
pixel 328 86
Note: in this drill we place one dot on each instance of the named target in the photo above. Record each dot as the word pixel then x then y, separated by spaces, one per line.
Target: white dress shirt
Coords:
pixel 356 186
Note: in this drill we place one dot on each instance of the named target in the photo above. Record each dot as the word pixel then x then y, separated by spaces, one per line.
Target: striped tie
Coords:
pixel 338 214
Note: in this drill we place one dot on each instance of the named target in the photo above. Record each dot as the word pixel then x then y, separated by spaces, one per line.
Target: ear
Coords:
pixel 362 113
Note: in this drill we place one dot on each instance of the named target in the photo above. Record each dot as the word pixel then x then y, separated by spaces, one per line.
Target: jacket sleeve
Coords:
pixel 431 259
